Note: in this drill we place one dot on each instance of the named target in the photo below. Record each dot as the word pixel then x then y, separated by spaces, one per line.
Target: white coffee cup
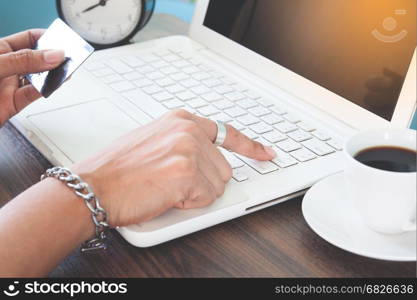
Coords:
pixel 386 200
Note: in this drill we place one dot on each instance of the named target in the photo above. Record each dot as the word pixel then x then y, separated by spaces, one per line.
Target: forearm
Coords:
pixel 40 227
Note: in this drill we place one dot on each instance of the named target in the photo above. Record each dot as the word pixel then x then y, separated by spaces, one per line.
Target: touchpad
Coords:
pixel 81 130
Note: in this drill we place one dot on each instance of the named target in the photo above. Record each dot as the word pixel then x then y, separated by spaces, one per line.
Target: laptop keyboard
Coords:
pixel 178 80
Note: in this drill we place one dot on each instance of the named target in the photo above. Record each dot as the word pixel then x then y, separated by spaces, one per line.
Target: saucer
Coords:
pixel 334 218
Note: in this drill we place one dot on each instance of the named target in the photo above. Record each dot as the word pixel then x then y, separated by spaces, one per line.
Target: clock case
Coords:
pixel 148 7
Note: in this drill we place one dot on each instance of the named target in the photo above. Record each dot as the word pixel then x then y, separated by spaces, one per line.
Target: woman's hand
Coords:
pixel 17 59
pixel 171 162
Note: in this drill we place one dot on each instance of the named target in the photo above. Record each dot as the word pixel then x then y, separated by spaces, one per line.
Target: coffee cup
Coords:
pixel 381 180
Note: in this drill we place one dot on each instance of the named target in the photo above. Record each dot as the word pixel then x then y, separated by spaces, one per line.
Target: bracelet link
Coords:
pixel 84 191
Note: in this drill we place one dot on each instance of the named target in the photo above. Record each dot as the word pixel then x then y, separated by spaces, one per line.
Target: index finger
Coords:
pixel 24 40
pixel 236 141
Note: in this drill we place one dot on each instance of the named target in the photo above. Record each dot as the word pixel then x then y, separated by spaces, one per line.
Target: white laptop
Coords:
pixel 297 75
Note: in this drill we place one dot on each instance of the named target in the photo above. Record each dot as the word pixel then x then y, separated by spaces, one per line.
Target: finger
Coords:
pixel 29 61
pixel 212 173
pixel 24 96
pixel 202 196
pixel 216 158
pixel 236 141
pixel 25 39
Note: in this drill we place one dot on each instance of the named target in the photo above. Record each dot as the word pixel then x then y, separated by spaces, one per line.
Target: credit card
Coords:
pixel 59 36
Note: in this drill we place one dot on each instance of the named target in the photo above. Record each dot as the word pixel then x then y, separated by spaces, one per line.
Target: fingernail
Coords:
pixel 270 151
pixel 53 56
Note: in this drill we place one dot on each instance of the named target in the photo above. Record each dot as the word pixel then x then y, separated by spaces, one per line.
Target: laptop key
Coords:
pixel 152 89
pixel 190 70
pixel 300 135
pixel 155 75
pixel 305 126
pixel 185 96
pixel 248 120
pixel 259 111
pixel 318 147
pixel 179 77
pixel 252 95
pixel 201 76
pixel 146 104
pixel 235 112
pixel 221 117
pixel 262 167
pixel 288 145
pixel 234 96
pixel 189 83
pixel 272 119
pixel 175 89
pixel 278 110
pixel 164 82
pixel 223 89
pixel 173 104
pixel 211 97
pixel 197 103
pixel 285 127
pixel 239 87
pixel 335 144
pixel 143 82
pixel 160 64
pixel 247 103
pixel 261 128
pixel 231 159
pixel 169 70
pixel 321 135
pixel 181 64
pixel 237 125
pixel 291 118
pixel 241 174
pixel 274 136
pixel 249 133
pixel 208 110
pixel 223 104
pixel 201 89
pixel 163 96
pixel 133 76
pixel 212 82
pixel 145 69
pixel 283 159
pixel 265 102
pixel 303 155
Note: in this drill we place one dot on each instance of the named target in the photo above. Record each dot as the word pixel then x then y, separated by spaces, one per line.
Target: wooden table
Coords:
pixel 274 242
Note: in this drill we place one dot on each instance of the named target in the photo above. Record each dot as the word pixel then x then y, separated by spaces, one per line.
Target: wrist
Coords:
pixel 77 214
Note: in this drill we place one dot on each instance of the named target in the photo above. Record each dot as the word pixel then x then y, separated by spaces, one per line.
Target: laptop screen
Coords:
pixel 358 49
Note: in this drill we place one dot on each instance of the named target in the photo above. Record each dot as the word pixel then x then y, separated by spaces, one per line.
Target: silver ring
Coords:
pixel 221 133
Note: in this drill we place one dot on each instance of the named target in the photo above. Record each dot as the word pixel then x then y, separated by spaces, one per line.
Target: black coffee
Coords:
pixel 389 158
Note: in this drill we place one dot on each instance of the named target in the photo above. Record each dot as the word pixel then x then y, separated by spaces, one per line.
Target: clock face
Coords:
pixel 102 21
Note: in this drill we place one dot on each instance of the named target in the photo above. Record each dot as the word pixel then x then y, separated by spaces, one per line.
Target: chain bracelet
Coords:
pixel 83 190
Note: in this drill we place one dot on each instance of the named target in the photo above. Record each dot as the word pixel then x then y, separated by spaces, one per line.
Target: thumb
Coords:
pixel 29 61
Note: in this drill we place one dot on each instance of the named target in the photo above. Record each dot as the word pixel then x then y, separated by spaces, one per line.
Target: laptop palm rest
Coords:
pixel 88 127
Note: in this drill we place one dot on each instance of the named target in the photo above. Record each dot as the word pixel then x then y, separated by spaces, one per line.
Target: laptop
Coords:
pixel 296 75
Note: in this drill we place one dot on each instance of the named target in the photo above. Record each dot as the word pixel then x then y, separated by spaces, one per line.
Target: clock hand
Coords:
pixel 101 3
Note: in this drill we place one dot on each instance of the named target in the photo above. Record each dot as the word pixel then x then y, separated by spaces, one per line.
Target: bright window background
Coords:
pixel 18 15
